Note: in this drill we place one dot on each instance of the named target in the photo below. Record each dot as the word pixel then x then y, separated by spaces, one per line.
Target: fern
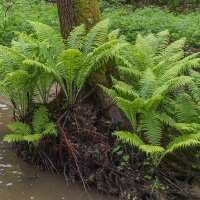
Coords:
pixel 13 138
pixel 17 86
pixel 183 141
pixel 47 59
pixel 129 138
pixel 151 127
pixel 156 92
pixel 41 127
pixel 40 118
pixel 76 38
pixel 96 37
pixel 20 128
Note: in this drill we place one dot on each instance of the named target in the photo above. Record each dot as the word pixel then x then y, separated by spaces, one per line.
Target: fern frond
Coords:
pixel 25 44
pixel 20 128
pixel 151 149
pixel 124 90
pixel 132 72
pixel 10 60
pixel 182 142
pixel 76 37
pixel 36 64
pixel 114 34
pixel 70 63
pixel 40 118
pixel 173 49
pixel 96 36
pixel 166 119
pixel 130 109
pixel 151 127
pixel 148 84
pixel 186 110
pixel 10 138
pixel 49 129
pixel 129 138
pixel 110 92
pixel 48 35
pixel 190 128
pixel 35 138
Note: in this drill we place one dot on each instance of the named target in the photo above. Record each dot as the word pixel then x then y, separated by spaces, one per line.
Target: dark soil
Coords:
pixel 83 150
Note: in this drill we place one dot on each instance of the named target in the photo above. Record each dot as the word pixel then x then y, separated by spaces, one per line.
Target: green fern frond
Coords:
pixel 190 128
pixel 178 82
pixel 166 119
pixel 76 37
pixel 35 138
pixel 10 60
pixel 132 72
pixel 70 63
pixel 46 34
pixel 40 119
pixel 114 34
pixel 10 138
pixel 186 110
pixel 110 92
pixel 36 64
pixel 96 36
pixel 130 109
pixel 151 127
pixel 148 84
pixel 174 48
pixel 20 128
pixel 49 129
pixel 182 142
pixel 25 44
pixel 124 90
pixel 129 138
pixel 151 149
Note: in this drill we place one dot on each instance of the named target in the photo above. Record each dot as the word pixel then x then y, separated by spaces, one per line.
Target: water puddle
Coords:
pixel 17 180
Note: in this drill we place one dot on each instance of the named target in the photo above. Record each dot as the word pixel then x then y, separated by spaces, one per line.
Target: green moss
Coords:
pixel 87 12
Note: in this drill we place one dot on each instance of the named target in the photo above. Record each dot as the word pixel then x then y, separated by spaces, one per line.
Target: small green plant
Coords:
pixel 40 127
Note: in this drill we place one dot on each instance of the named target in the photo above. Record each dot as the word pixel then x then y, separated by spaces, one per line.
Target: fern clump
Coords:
pixel 45 57
pixel 157 89
pixel 41 126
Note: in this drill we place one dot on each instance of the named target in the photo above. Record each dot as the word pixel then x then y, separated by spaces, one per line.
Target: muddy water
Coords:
pixel 17 180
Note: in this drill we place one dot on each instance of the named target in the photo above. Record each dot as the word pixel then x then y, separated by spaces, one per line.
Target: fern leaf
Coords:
pixel 124 90
pixel 35 138
pixel 152 128
pixel 96 36
pixel 20 128
pixel 183 141
pixel 129 138
pixel 114 34
pixel 49 129
pixel 10 138
pixel 40 118
pixel 46 34
pixel 150 149
pixel 148 84
pixel 76 37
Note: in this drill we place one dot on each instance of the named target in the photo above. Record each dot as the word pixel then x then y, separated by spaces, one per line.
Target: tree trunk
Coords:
pixel 67 16
pixel 87 12
pixel 75 12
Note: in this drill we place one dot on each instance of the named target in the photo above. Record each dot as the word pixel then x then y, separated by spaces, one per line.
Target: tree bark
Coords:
pixel 67 16
pixel 75 12
pixel 87 12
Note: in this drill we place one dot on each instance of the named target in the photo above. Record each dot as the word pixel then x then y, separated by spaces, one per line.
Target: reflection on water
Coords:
pixel 17 180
